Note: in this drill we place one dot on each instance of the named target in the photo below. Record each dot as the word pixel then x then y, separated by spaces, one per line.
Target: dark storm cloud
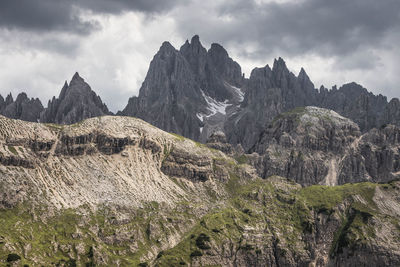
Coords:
pixel 43 15
pixel 119 6
pixel 325 27
pixel 64 15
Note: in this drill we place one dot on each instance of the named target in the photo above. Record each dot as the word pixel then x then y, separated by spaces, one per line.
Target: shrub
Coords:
pixel 201 241
pixel 196 253
pixel 13 257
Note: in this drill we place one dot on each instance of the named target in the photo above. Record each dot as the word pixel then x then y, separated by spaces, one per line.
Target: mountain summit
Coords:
pixel 76 102
pixel 184 90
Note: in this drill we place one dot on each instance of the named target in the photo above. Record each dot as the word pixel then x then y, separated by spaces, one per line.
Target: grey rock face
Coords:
pixel 317 146
pixel 218 141
pixel 375 157
pixel 22 108
pixel 392 112
pixel 268 93
pixel 303 144
pixel 355 102
pixel 169 97
pixel 212 69
pixel 187 91
pixel 271 92
pixel 76 102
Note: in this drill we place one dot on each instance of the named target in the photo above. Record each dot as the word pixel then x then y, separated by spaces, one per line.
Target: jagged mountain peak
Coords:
pixel 217 48
pixel 76 102
pixel 303 74
pixel 9 98
pixel 192 49
pixel 76 76
pixel 195 39
pixel 23 107
pixel 76 79
pixel 279 65
pixel 21 96
pixel 166 47
pixel 63 91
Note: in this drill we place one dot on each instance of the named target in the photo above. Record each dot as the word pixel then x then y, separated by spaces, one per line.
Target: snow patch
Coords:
pixel 214 105
pixel 200 116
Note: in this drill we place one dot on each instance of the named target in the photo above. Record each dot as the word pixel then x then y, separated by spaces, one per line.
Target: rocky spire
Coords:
pixel 170 97
pixel 2 104
pixel 22 108
pixel 76 102
pixel 212 69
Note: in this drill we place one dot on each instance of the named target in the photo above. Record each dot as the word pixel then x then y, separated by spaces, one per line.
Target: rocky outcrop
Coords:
pixel 22 108
pixel 317 146
pixel 217 140
pixel 75 103
pixel 374 157
pixel 184 164
pixel 304 145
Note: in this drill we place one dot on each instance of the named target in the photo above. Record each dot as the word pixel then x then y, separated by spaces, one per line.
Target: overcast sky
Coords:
pixel 111 42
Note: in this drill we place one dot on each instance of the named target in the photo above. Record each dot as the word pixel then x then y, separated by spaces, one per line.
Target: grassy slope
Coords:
pixel 284 209
pixel 281 205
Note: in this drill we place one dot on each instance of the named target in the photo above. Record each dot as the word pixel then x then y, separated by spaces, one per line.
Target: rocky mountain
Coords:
pixel 76 102
pixel 312 145
pixel 190 91
pixel 195 92
pixel 117 191
pixel 285 174
pixel 22 108
pixel 270 92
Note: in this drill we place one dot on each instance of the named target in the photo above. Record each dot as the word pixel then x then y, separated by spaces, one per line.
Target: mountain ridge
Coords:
pixel 195 92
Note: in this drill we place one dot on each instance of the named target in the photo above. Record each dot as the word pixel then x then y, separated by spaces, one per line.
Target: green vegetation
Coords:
pixel 325 198
pixel 12 150
pixel 53 126
pixel 13 257
pixel 285 208
pixel 178 137
pixel 297 112
pixel 70 230
pixel 276 209
pixel 241 159
pixel 198 144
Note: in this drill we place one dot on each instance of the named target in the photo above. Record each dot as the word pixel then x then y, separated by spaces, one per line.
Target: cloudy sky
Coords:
pixel 111 42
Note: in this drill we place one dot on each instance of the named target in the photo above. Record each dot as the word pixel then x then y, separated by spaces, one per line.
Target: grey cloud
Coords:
pixel 327 27
pixel 64 15
pixel 43 15
pixel 120 6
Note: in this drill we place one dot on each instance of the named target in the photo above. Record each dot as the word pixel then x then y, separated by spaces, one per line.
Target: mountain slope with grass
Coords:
pixel 116 191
